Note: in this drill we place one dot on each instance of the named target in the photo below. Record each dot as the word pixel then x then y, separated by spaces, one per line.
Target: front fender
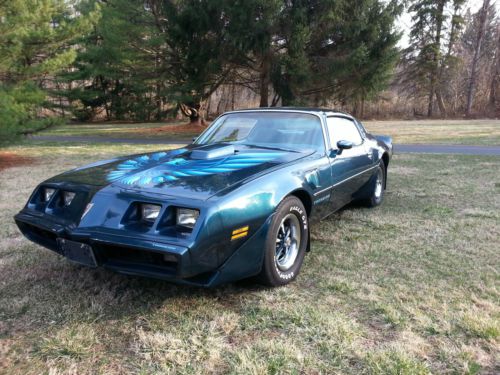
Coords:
pixel 385 142
pixel 251 205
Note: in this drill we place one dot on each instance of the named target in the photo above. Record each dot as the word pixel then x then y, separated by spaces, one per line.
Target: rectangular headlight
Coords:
pixel 149 212
pixel 47 194
pixel 187 217
pixel 68 197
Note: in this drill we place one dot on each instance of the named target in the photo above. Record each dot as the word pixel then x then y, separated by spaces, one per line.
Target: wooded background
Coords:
pixel 152 60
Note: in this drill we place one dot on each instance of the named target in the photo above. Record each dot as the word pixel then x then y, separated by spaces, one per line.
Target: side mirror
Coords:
pixel 194 139
pixel 343 145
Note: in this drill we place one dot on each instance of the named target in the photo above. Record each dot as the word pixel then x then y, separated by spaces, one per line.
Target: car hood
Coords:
pixel 196 171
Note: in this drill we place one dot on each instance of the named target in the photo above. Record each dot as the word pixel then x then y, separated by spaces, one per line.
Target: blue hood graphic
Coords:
pixel 155 170
pixel 195 171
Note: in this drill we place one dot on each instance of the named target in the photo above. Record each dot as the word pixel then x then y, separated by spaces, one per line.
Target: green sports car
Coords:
pixel 236 203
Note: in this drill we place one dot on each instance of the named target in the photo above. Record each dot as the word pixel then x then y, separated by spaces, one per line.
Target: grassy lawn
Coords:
pixel 118 130
pixel 468 132
pixel 411 287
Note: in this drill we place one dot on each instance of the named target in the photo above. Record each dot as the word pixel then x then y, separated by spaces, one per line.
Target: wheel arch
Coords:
pixel 385 160
pixel 304 197
pixel 306 200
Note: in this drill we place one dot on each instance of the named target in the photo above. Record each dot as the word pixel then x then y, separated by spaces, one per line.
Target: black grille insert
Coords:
pixel 40 236
pixel 133 258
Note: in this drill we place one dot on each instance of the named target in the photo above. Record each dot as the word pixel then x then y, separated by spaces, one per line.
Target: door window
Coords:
pixel 343 129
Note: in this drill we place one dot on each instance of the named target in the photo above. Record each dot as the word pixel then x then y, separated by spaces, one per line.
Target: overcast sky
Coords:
pixel 405 20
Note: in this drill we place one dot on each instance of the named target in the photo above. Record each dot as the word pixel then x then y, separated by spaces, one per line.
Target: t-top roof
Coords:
pixel 301 109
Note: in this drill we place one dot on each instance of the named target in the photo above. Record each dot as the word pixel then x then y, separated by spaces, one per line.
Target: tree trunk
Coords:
pixel 233 88
pixel 475 59
pixel 265 79
pixel 451 42
pixel 430 106
pixel 440 103
pixel 193 110
pixel 493 104
pixel 275 100
pixel 435 57
pixel 158 102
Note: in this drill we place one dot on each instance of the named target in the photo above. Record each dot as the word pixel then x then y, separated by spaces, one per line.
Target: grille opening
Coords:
pixel 131 258
pixel 40 236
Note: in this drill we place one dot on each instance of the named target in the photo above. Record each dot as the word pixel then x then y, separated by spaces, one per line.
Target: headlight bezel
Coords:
pixel 149 212
pixel 67 197
pixel 47 194
pixel 186 217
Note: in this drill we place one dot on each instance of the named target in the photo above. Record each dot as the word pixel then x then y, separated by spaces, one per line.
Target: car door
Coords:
pixel 350 167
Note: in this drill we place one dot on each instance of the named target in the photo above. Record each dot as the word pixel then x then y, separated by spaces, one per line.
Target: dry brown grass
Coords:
pixel 411 287
pixel 468 132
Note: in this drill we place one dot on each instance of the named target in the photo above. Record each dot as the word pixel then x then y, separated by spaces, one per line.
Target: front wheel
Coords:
pixel 286 243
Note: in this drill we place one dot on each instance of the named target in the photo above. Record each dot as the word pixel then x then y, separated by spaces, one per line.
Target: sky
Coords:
pixel 404 23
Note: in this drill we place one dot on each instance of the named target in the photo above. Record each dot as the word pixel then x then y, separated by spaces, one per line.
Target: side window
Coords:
pixel 361 128
pixel 342 129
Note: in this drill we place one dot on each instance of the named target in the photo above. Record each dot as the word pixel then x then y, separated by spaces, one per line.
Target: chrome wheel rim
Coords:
pixel 379 184
pixel 287 242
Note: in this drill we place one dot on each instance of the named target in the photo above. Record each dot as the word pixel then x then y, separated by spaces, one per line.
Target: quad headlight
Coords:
pixel 47 193
pixel 186 217
pixel 149 212
pixel 68 197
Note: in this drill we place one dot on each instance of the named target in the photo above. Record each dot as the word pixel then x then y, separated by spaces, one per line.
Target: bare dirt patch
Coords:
pixel 10 159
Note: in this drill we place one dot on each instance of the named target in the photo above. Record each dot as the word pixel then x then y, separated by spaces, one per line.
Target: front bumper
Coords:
pixel 140 257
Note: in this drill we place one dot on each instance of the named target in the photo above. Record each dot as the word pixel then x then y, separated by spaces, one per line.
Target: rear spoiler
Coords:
pixel 386 141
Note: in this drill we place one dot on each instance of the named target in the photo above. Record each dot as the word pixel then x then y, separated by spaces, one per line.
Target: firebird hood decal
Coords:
pixel 179 173
pixel 155 170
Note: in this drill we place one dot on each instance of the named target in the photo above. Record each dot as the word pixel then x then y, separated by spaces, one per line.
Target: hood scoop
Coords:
pixel 212 152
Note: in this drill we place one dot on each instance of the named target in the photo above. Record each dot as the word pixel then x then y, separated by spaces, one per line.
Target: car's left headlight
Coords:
pixel 186 217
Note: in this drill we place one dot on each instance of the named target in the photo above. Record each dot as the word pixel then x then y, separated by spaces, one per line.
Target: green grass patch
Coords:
pixel 154 130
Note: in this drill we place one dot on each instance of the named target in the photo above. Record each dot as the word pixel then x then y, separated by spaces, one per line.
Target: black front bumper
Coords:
pixel 149 258
pixel 122 254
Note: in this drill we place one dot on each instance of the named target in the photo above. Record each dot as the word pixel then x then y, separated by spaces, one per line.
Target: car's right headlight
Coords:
pixel 186 217
pixel 150 212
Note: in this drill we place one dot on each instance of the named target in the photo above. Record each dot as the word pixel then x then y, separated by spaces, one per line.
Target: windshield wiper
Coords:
pixel 269 147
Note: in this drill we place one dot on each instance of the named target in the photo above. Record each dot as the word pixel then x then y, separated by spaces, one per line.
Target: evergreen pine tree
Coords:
pixel 35 42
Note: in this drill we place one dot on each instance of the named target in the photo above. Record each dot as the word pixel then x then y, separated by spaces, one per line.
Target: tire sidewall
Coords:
pixel 277 277
pixel 377 201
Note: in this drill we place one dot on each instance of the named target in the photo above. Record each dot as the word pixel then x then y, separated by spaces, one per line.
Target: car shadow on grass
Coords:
pixel 44 289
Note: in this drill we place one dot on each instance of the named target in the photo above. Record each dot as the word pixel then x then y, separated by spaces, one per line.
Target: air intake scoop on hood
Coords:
pixel 212 152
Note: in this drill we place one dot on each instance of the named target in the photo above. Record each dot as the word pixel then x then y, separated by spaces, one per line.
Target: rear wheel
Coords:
pixel 377 188
pixel 286 243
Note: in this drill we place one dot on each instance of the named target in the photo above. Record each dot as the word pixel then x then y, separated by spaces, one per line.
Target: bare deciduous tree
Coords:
pixel 475 59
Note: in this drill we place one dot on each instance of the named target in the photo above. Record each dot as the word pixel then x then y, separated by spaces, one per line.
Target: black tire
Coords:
pixel 284 254
pixel 377 188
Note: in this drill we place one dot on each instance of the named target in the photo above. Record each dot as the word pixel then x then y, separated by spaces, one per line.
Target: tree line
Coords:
pixel 147 60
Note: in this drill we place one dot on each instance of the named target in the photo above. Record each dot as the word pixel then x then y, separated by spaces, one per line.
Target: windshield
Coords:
pixel 296 131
